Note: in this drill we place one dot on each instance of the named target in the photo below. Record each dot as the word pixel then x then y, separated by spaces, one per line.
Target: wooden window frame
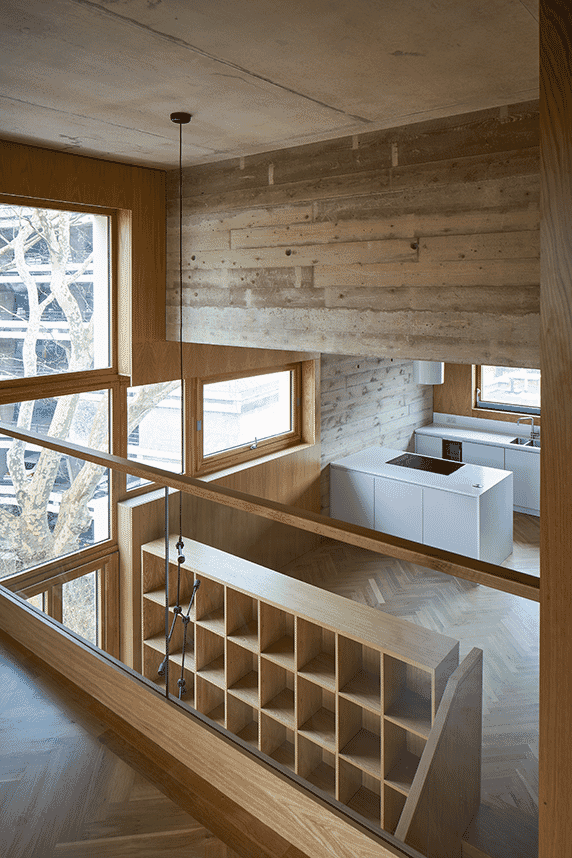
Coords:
pixel 113 270
pixel 500 408
pixel 202 465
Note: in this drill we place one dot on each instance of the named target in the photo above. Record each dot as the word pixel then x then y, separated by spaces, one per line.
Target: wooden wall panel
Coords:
pixel 292 479
pixel 555 798
pixel 139 195
pixel 414 242
pixel 366 401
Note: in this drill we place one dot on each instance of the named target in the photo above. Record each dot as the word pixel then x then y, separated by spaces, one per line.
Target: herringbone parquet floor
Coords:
pixel 505 627
pixel 64 794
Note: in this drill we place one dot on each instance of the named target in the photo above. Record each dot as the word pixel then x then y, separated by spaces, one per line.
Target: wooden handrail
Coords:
pixel 489 574
pixel 28 590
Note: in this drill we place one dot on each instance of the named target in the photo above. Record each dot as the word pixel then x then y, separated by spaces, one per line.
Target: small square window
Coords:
pixel 243 417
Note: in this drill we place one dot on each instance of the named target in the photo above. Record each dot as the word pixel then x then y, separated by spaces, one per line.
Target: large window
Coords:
pixel 508 388
pixel 242 417
pixel 55 301
pixel 54 291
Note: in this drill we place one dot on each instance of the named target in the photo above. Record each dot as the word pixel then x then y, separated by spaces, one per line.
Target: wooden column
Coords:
pixel 556 463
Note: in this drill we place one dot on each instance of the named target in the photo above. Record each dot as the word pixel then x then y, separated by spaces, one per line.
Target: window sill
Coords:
pixel 252 463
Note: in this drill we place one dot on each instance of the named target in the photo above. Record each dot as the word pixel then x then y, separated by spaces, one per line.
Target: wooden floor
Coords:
pixel 505 627
pixel 63 793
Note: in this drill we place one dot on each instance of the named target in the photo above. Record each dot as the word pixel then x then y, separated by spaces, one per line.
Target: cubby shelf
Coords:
pixel 412 712
pixel 337 692
pixel 364 751
pixel 281 708
pixel 213 621
pixel 246 636
pixel 401 775
pixel 246 688
pixel 321 670
pixel 281 652
pixel 321 728
pixel 363 689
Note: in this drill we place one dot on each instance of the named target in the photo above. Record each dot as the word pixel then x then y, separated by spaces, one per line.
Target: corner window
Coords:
pixel 243 417
pixel 508 388
pixel 154 427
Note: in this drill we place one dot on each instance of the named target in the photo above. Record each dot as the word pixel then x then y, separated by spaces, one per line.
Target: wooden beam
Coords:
pixel 555 799
pixel 507 580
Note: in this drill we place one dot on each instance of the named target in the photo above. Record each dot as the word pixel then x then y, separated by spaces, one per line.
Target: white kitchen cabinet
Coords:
pixel 483 454
pixel 525 467
pixel 494 450
pixel 468 511
pixel 451 522
pixel 351 496
pixel 398 509
pixel 427 445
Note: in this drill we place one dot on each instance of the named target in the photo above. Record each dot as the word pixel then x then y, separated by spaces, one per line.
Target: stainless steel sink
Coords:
pixel 526 442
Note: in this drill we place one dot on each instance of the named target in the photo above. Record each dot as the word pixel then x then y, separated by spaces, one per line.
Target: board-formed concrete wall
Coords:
pixel 414 242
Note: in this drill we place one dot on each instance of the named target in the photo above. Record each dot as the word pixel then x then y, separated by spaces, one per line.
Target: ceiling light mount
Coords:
pixel 181 118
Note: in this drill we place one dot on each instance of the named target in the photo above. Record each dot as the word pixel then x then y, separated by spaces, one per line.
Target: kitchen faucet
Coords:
pixel 521 419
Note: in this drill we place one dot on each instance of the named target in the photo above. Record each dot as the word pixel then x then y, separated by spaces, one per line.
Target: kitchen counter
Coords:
pixel 470 480
pixel 456 433
pixel 468 512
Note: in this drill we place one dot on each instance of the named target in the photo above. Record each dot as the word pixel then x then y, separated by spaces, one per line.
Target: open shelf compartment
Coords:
pixel 316 654
pixel 277 693
pixel 242 720
pixel 209 606
pixel 209 700
pixel 316 765
pixel 360 673
pixel 360 792
pixel 210 656
pixel 407 695
pixel 360 737
pixel 277 741
pixel 277 635
pixel 402 752
pixel 316 714
pixel 242 673
pixel 242 619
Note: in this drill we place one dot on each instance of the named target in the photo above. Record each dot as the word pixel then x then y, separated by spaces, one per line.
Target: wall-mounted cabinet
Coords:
pixel 341 694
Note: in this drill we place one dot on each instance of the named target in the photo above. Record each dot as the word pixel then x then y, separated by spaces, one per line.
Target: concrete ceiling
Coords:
pixel 100 77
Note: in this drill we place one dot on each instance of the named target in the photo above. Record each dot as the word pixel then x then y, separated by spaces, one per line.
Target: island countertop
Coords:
pixel 469 480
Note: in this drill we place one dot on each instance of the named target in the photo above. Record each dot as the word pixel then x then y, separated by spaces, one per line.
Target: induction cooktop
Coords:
pixel 426 463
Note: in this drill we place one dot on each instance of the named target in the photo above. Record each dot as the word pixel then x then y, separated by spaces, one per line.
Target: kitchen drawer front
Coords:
pixel 483 454
pixel 429 445
pixel 399 509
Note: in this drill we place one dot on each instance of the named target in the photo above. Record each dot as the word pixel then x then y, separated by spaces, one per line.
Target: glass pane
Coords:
pixel 79 606
pixel 510 385
pixel 240 410
pixel 154 427
pixel 51 505
pixel 54 291
pixel 37 601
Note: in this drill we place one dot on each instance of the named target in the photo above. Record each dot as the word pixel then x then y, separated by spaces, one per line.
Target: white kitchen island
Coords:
pixel 467 512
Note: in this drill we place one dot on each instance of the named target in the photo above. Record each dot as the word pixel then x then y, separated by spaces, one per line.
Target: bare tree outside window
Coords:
pixel 54 318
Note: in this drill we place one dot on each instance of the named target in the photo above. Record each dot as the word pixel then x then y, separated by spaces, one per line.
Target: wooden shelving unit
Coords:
pixel 341 694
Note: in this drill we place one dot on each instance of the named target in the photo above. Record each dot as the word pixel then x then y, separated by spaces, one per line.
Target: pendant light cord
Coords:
pixel 181 119
pixel 181 373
